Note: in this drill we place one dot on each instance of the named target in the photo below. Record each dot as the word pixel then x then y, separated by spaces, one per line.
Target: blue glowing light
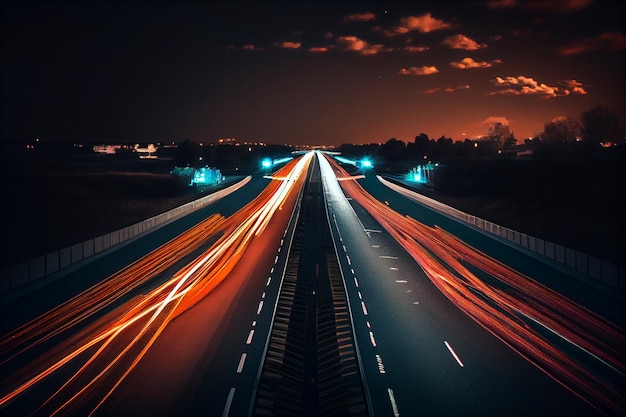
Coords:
pixel 345 160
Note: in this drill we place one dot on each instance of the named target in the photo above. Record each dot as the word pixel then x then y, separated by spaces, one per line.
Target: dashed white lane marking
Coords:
pixel 453 353
pixel 381 367
pixel 269 279
pixel 249 340
pixel 394 406
pixel 229 401
pixel 356 282
pixel 416 302
pixel 376 246
pixel 393 268
pixel 388 257
pixel 372 339
pixel 276 260
pixel 359 294
pixel 258 310
pixel 364 308
pixel 241 362
pixel 401 281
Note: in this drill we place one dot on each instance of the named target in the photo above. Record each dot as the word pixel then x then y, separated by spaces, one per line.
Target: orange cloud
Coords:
pixel 467 63
pixel 522 85
pixel 496 119
pixel 318 49
pixel 248 47
pixel 462 42
pixel 425 70
pixel 288 45
pixel 424 24
pixel 415 49
pixel 353 43
pixel 360 17
pixel 446 89
pixel 611 41
pixel 575 86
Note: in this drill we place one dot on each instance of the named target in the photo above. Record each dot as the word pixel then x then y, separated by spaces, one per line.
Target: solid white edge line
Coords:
pixel 229 401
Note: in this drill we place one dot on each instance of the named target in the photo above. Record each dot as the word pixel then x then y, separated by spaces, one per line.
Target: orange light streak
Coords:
pixel 153 312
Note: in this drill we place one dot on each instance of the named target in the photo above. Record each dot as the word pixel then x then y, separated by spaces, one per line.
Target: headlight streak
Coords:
pixel 443 257
pixel 152 312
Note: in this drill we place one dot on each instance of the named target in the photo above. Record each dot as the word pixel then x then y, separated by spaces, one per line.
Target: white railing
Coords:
pixel 24 273
pixel 589 266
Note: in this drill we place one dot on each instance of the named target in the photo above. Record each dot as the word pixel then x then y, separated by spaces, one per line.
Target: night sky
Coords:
pixel 304 72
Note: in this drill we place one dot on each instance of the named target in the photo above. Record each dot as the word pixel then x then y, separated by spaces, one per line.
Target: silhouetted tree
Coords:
pixel 561 129
pixel 442 148
pixel 601 125
pixel 421 143
pixel 393 149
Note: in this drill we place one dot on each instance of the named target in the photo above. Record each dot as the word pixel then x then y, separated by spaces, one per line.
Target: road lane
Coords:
pixel 124 339
pixel 409 334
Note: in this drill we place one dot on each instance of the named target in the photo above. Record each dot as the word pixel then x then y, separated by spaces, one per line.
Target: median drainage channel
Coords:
pixel 311 367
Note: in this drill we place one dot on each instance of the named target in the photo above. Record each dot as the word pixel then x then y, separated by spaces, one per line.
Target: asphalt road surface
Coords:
pixel 446 321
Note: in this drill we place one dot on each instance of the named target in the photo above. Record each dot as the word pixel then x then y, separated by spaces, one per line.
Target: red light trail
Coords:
pixel 446 260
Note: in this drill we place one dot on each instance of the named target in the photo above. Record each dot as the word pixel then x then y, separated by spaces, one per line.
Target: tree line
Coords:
pixel 598 129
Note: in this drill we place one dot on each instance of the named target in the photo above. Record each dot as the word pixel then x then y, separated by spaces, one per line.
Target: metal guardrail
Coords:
pixel 592 267
pixel 24 273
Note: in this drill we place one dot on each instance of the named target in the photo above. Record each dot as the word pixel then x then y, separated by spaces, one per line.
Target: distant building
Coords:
pixel 106 149
pixel 198 176
pixel 148 152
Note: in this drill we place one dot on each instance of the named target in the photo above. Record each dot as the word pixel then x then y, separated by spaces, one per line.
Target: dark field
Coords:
pixel 53 202
pixel 576 204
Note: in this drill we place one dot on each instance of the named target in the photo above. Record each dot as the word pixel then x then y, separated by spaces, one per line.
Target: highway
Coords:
pixel 226 313
pixel 443 338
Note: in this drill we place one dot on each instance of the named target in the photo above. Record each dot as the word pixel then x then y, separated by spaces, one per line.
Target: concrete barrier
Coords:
pixel 22 274
pixel 591 267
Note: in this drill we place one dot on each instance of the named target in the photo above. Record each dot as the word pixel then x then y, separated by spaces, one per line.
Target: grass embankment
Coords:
pixel 578 205
pixel 50 204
